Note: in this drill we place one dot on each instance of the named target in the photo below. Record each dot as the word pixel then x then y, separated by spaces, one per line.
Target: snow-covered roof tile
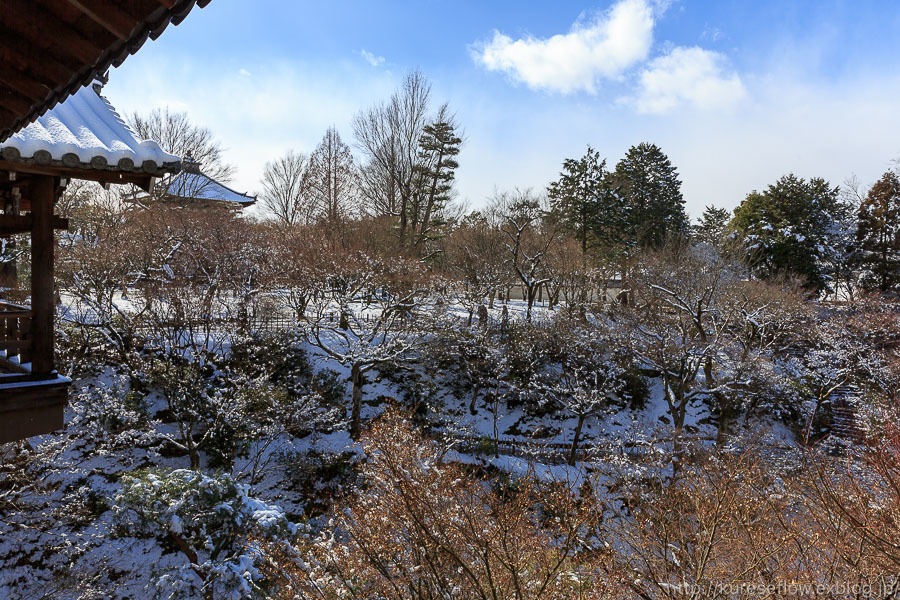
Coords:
pixel 86 131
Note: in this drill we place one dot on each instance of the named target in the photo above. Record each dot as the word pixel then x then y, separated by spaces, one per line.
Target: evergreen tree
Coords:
pixel 793 227
pixel 878 234
pixel 651 189
pixel 575 198
pixel 438 147
pixel 712 226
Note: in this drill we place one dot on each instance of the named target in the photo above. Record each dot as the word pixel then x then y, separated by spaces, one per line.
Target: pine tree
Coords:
pixel 438 147
pixel 878 234
pixel 712 225
pixel 652 191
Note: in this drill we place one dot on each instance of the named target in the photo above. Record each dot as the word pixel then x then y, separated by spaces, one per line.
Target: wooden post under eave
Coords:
pixel 43 190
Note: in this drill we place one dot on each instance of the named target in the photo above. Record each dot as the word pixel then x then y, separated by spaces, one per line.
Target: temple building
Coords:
pixel 54 126
pixel 193 188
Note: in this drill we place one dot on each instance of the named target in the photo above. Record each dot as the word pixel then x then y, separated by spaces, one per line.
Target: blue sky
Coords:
pixel 736 93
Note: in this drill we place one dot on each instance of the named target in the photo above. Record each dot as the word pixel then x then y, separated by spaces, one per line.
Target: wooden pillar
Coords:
pixel 43 190
pixel 9 275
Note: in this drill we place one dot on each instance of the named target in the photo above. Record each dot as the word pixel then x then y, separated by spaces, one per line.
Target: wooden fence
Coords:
pixel 547 452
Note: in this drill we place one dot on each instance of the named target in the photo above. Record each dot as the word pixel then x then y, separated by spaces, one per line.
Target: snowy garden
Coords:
pixel 374 393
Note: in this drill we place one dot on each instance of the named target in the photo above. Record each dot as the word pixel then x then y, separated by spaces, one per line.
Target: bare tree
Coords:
pixel 96 266
pixel 570 277
pixel 475 256
pixel 176 134
pixel 367 312
pixel 388 135
pixel 677 324
pixel 333 179
pixel 286 186
pixel 588 377
pixel 526 241
pixel 428 529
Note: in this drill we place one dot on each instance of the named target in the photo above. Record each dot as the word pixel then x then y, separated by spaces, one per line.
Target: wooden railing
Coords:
pixel 15 338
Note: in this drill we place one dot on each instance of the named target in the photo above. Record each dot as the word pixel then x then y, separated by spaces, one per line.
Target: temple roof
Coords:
pixel 86 132
pixel 192 184
pixel 51 49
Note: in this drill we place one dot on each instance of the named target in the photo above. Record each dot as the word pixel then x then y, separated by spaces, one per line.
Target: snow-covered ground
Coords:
pixel 57 531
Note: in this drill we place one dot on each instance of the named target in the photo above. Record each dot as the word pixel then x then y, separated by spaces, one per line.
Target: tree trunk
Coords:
pixel 678 419
pixel 708 372
pixel 530 294
pixel 723 426
pixel 574 453
pixel 356 380
pixel 403 209
pixel 429 205
pixel 482 316
pixel 472 408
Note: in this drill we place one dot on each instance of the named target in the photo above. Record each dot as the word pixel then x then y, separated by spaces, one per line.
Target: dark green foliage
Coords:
pixel 528 349
pixel 636 389
pixel 878 234
pixel 585 203
pixel 329 385
pixel 278 356
pixel 211 520
pixel 465 356
pixel 218 412
pixel 712 226
pixel 790 228
pixel 434 174
pixel 651 190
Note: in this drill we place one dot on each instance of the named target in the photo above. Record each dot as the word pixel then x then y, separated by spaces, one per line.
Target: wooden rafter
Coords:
pixel 51 48
pixel 16 49
pixel 13 101
pixel 107 15
pixel 21 82
pixel 41 27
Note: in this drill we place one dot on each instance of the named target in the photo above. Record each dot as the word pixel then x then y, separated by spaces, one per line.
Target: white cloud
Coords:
pixel 371 58
pixel 600 48
pixel 245 73
pixel 687 76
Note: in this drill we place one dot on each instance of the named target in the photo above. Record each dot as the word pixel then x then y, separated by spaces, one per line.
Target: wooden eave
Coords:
pixel 51 48
pixel 87 172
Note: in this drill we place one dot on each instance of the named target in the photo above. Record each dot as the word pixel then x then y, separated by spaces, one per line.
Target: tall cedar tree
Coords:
pixel 712 226
pixel 651 189
pixel 584 202
pixel 332 178
pixel 438 148
pixel 790 228
pixel 878 234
